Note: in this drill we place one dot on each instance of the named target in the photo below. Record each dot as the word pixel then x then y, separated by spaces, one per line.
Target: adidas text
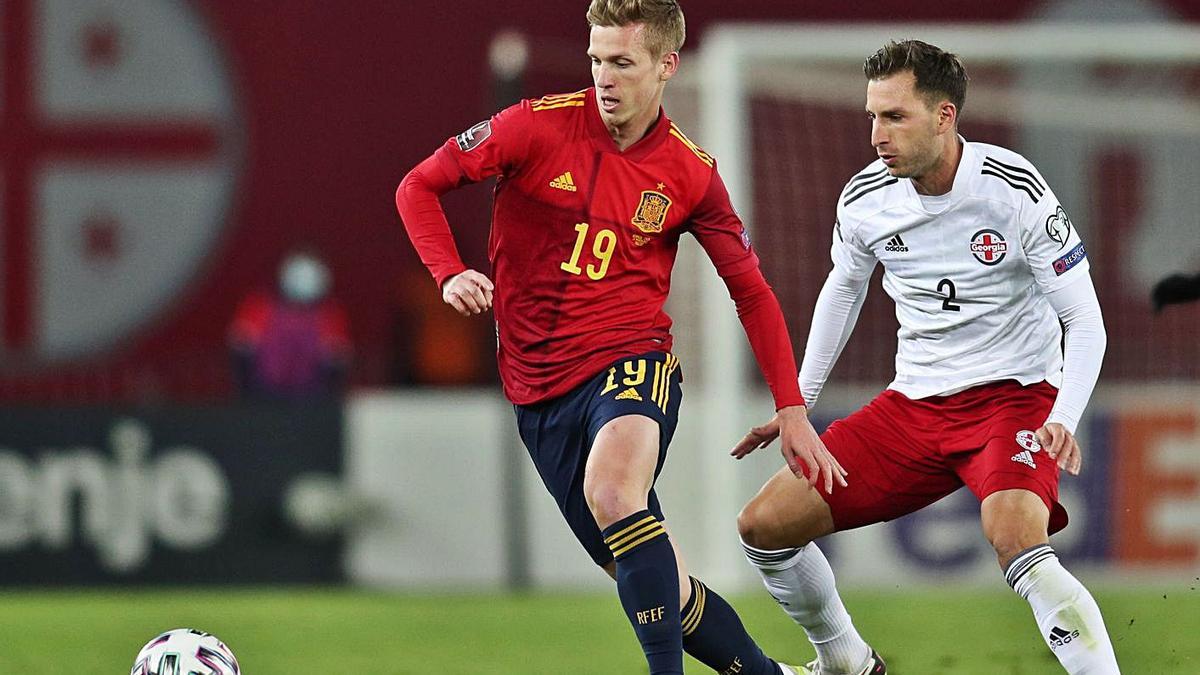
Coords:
pixel 1059 637
pixel 895 245
pixel 564 182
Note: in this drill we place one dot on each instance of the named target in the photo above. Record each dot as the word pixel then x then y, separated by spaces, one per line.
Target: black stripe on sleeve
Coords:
pixel 867 190
pixel 1011 183
pixel 1013 177
pixel 865 177
pixel 1017 172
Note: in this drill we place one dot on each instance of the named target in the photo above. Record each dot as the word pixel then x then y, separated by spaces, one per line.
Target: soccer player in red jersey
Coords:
pixel 595 189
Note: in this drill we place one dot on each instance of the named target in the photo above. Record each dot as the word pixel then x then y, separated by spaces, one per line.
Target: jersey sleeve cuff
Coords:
pixel 1070 422
pixel 789 401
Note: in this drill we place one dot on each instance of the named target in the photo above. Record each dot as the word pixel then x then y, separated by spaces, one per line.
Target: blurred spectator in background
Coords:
pixel 1175 289
pixel 294 343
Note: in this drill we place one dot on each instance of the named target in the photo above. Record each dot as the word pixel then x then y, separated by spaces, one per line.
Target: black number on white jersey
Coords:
pixel 948 301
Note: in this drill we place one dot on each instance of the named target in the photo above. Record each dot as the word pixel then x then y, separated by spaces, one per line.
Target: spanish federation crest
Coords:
pixel 651 212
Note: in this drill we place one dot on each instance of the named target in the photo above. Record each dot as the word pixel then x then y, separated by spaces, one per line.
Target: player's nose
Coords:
pixel 878 137
pixel 604 76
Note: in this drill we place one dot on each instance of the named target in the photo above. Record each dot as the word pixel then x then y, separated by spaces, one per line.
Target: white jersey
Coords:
pixel 968 270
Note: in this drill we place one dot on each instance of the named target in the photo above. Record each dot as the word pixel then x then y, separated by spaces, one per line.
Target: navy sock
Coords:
pixel 648 584
pixel 714 635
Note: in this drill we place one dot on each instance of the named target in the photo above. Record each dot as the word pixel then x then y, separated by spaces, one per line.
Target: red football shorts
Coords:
pixel 904 454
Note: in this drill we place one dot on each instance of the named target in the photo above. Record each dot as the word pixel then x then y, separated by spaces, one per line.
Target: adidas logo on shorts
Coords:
pixel 629 393
pixel 1025 457
pixel 1028 440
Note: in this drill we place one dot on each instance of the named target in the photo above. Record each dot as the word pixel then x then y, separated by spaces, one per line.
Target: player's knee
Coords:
pixel 610 502
pixel 1013 521
pixel 755 527
pixel 1010 541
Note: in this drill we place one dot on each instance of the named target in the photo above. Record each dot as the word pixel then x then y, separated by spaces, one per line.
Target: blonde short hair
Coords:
pixel 663 19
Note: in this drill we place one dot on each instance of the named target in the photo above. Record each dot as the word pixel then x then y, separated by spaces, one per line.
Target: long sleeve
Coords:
pixel 836 312
pixel 417 200
pixel 495 146
pixel 720 231
pixel 762 318
pixel 1083 353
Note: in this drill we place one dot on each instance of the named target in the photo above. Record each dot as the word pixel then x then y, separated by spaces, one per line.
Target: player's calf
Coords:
pixel 714 635
pixel 648 585
pixel 802 582
pixel 1067 616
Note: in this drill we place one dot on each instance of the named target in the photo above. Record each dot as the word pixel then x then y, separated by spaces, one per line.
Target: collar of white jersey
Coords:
pixel 968 166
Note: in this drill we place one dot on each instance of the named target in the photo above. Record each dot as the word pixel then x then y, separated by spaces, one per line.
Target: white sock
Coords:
pixel 801 581
pixel 1067 616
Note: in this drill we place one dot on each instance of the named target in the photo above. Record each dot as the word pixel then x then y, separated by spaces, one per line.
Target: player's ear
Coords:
pixel 668 65
pixel 947 116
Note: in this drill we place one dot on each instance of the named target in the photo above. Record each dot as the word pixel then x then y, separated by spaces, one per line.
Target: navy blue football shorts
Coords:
pixel 559 433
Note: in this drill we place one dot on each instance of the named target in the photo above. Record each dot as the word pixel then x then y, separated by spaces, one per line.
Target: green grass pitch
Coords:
pixel 299 631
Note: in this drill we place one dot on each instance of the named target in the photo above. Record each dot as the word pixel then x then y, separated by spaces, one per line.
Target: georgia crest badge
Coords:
pixel 651 212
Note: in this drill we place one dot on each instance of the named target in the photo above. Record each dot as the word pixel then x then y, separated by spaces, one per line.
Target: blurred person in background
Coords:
pixel 293 343
pixel 595 189
pixel 1175 289
pixel 983 264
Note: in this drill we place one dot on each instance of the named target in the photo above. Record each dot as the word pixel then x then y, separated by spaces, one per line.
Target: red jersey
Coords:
pixel 584 238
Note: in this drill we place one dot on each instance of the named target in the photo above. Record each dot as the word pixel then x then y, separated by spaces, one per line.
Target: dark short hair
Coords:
pixel 940 75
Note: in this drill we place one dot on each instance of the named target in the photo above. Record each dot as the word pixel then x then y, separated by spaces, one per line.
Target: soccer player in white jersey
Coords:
pixel 982 263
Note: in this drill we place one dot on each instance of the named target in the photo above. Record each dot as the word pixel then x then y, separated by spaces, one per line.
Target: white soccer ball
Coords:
pixel 185 651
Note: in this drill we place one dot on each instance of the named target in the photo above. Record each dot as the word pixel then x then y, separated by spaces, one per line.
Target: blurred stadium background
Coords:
pixel 159 158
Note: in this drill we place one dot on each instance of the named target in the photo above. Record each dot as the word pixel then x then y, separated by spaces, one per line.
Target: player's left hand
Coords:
pixel 1061 446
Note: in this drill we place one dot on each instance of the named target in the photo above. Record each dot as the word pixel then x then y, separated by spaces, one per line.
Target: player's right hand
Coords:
pixel 758 437
pixel 468 292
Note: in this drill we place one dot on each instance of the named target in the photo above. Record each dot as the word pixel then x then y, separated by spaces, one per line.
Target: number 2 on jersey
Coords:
pixel 603 245
pixel 948 301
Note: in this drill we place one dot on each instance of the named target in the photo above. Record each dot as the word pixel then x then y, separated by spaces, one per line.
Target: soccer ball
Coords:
pixel 185 651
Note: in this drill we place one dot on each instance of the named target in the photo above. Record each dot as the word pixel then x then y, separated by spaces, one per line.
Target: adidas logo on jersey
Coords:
pixel 564 182
pixel 895 245
pixel 629 393
pixel 1025 457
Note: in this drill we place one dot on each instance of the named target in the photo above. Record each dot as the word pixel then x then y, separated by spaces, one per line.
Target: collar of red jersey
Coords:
pixel 656 135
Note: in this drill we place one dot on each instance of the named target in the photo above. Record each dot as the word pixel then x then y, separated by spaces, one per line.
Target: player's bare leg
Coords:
pixel 777 528
pixel 786 513
pixel 616 484
pixel 1015 522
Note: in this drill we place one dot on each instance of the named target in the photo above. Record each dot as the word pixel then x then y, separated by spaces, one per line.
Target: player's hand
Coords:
pixel 1061 446
pixel 468 292
pixel 802 449
pixel 759 437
